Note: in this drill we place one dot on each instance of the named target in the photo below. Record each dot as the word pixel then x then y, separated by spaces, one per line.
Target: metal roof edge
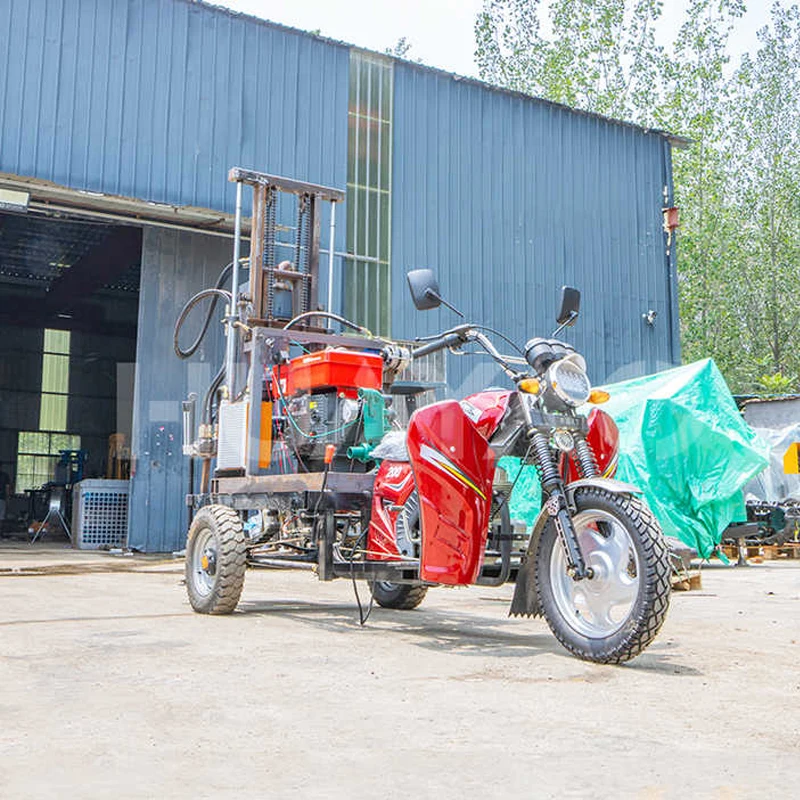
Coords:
pixel 674 139
pixel 49 197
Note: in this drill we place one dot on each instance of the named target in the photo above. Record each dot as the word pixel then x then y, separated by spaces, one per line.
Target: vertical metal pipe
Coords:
pixel 330 257
pixel 230 353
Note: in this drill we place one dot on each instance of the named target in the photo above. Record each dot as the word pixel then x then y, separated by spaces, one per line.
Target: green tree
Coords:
pixel 599 55
pixel 765 143
pixel 401 48
pixel 694 104
pixel 736 182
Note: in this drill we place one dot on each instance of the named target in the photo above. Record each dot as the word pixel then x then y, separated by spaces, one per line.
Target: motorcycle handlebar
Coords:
pixel 448 340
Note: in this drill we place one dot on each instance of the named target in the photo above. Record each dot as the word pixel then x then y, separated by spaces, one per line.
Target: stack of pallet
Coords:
pixel 761 552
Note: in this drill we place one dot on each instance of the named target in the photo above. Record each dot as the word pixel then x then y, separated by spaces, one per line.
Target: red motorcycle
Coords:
pixel 326 481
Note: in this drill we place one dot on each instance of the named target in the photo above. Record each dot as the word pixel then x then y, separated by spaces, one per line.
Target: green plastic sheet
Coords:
pixel 684 443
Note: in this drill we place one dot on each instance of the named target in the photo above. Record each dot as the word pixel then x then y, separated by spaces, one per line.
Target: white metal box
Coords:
pixel 100 514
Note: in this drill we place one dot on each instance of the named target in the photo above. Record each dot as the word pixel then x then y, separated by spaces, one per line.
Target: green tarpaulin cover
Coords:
pixel 684 443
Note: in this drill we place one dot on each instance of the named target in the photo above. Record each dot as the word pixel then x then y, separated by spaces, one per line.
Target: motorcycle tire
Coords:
pixel 216 560
pixel 400 596
pixel 614 615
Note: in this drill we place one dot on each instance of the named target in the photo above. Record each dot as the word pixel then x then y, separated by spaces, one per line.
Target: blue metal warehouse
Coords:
pixel 119 121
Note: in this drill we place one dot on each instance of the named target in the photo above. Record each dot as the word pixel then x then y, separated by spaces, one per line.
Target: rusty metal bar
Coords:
pixel 289 185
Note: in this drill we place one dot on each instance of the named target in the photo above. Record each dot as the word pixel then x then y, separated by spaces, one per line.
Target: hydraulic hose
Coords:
pixel 208 400
pixel 216 293
pixel 187 309
pixel 327 315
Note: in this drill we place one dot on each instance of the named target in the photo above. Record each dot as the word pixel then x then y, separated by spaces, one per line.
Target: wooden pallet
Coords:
pixel 764 552
pixel 688 581
pixel 773 552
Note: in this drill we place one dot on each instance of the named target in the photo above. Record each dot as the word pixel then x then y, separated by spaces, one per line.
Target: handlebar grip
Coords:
pixel 449 340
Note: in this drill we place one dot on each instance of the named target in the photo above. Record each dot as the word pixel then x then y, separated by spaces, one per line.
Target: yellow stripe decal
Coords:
pixel 442 462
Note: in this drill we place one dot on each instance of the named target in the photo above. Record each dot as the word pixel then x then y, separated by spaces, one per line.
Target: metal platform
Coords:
pixel 352 483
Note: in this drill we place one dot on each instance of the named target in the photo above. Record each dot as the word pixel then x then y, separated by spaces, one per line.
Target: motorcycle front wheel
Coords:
pixel 614 615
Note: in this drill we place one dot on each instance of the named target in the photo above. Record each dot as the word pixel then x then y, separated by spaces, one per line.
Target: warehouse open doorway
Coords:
pixel 69 295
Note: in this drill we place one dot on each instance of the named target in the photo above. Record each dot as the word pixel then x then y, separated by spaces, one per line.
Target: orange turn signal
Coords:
pixel 330 452
pixel 599 396
pixel 529 386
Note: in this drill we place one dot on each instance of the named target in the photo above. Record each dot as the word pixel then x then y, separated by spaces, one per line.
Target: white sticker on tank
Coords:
pixel 473 412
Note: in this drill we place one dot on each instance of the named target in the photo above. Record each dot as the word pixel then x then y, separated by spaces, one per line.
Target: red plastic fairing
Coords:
pixel 485 410
pixel 453 467
pixel 603 438
pixel 394 484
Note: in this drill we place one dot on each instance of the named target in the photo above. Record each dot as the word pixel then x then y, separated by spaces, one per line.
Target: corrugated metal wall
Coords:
pixel 175 265
pixel 157 99
pixel 509 198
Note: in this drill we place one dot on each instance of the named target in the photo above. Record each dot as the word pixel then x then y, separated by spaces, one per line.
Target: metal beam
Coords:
pixel 337 483
pixel 249 176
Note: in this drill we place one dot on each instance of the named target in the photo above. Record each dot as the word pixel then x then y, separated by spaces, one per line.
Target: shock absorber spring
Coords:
pixel 544 461
pixel 587 465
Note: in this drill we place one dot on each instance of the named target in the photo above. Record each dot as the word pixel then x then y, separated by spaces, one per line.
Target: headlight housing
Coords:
pixel 568 384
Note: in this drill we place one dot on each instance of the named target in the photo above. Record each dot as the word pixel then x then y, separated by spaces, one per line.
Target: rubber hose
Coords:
pixel 192 349
pixel 208 400
pixel 327 315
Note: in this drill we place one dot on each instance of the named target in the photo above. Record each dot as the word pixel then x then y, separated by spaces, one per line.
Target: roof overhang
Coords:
pixel 53 199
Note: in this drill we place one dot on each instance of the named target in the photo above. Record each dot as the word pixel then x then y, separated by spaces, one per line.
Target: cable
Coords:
pixel 327 315
pixel 501 335
pixel 312 436
pixel 522 464
pixel 361 615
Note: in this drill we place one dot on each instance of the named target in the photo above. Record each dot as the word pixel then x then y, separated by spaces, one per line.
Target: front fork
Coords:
pixel 556 503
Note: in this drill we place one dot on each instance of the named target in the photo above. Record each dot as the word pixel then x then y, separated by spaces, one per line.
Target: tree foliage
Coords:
pixel 599 56
pixel 737 183
pixel 765 142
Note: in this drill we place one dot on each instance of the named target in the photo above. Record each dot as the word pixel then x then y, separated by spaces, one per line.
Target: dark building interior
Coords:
pixel 69 297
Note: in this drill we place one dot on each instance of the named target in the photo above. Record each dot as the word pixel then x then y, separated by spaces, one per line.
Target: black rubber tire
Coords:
pixel 231 560
pixel 401 596
pixel 652 600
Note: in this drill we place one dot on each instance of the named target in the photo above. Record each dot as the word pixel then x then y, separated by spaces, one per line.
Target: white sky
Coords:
pixel 441 32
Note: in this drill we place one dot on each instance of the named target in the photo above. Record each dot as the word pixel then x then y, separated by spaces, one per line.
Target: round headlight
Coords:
pixel 569 381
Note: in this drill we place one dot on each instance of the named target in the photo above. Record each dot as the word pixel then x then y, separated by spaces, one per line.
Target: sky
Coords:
pixel 441 32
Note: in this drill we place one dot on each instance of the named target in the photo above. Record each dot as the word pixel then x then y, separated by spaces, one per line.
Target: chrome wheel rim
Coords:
pixel 204 562
pixel 599 606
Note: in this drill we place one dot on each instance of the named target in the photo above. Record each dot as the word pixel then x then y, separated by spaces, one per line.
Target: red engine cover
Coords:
pixel 453 467
pixel 394 484
pixel 329 369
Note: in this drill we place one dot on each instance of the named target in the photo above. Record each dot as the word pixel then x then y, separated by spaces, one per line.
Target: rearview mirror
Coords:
pixel 570 306
pixel 424 289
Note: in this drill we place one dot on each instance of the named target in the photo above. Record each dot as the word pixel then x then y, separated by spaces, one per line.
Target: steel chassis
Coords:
pixel 323 494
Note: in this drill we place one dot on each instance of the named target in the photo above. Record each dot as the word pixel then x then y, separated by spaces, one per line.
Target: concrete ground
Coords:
pixel 110 686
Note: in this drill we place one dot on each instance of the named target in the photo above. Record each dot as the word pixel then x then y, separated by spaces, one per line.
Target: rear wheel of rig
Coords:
pixel 216 560
pixel 402 596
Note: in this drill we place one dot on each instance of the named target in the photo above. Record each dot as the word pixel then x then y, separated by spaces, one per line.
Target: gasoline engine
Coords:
pixel 331 399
